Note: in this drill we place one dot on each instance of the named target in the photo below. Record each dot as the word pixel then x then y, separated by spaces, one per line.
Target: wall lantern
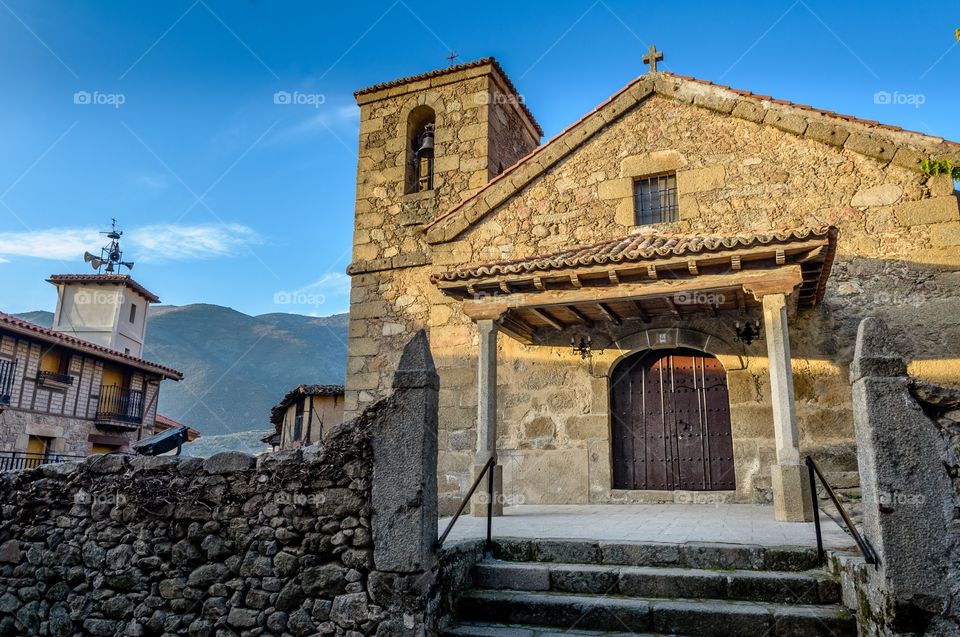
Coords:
pixel 583 347
pixel 748 332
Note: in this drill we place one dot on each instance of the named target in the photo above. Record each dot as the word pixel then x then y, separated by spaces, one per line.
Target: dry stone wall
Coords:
pixel 898 257
pixel 335 539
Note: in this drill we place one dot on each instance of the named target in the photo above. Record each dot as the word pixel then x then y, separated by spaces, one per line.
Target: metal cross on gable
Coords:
pixel 652 57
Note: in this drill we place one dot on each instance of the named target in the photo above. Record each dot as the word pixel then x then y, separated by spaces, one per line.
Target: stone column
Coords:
pixel 791 486
pixel 487 418
pixel 905 483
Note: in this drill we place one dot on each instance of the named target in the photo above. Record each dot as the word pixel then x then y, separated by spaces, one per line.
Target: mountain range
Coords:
pixel 236 366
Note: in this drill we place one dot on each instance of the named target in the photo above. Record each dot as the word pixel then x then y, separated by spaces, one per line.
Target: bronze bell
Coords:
pixel 426 139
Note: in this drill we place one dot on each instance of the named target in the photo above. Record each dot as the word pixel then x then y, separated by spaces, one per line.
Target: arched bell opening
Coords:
pixel 421 130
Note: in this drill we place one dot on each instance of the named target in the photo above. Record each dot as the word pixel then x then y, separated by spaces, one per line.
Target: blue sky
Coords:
pixel 162 114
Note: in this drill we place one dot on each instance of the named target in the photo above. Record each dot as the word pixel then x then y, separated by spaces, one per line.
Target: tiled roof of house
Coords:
pixel 163 423
pixel 276 413
pixel 453 69
pixel 797 118
pixel 19 326
pixel 125 279
pixel 636 247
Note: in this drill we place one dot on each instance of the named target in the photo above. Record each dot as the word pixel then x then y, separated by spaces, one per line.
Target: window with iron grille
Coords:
pixel 655 199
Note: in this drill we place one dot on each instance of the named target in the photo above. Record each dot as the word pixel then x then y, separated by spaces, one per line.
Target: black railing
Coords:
pixel 119 404
pixel 869 556
pixel 65 379
pixel 18 461
pixel 488 471
pixel 8 370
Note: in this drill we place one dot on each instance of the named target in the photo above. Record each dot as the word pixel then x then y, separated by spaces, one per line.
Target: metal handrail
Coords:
pixel 869 555
pixel 488 470
pixel 23 460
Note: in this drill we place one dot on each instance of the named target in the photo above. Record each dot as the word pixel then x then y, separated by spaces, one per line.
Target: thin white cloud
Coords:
pixel 331 283
pixel 323 121
pixel 149 244
pixel 174 242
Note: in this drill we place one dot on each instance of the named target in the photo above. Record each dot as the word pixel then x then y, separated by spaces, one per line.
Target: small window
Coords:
pixel 133 312
pixel 655 199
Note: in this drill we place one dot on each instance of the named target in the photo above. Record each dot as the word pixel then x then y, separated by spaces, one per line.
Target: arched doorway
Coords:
pixel 671 422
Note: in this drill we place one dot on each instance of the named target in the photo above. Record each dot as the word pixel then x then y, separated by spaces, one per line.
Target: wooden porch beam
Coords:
pixel 757 282
pixel 672 306
pixel 641 312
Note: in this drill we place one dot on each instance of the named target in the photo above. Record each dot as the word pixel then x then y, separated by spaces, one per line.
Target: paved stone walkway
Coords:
pixel 675 523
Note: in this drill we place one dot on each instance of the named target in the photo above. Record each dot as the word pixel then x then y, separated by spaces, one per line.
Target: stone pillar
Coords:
pixel 404 490
pixel 791 486
pixel 487 419
pixel 904 482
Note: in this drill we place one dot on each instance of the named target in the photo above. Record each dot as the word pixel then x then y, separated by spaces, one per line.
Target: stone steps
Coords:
pixel 705 618
pixel 657 581
pixel 483 629
pixel 544 587
pixel 703 555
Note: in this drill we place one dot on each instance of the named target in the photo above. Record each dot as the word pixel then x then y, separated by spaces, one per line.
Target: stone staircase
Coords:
pixel 540 588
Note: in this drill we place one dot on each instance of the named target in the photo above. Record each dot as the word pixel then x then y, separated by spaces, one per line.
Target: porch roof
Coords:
pixel 644 275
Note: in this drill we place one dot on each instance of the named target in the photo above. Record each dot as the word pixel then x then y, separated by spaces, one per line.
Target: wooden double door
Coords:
pixel 671 422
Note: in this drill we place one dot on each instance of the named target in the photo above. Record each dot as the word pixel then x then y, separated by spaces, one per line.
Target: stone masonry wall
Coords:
pixel 898 257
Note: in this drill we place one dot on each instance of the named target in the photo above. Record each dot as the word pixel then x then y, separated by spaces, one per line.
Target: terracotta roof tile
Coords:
pixel 126 279
pixel 59 338
pixel 453 69
pixel 636 247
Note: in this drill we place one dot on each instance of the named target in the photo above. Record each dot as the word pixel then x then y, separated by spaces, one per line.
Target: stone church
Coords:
pixel 657 304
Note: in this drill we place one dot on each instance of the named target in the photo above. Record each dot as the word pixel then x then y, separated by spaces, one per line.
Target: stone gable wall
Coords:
pixel 898 256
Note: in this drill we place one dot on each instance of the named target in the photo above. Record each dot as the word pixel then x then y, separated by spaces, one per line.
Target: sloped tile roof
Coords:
pixel 276 413
pixel 644 246
pixel 48 335
pixel 125 279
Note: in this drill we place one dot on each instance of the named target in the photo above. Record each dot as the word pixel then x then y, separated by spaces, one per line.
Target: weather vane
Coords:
pixel 111 257
pixel 452 57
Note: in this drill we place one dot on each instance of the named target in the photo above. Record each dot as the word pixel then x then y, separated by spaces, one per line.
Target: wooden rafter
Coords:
pixel 547 318
pixel 609 314
pixel 641 312
pixel 583 318
pixel 672 306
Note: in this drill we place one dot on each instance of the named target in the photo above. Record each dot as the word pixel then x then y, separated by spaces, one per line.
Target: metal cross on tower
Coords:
pixel 652 57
